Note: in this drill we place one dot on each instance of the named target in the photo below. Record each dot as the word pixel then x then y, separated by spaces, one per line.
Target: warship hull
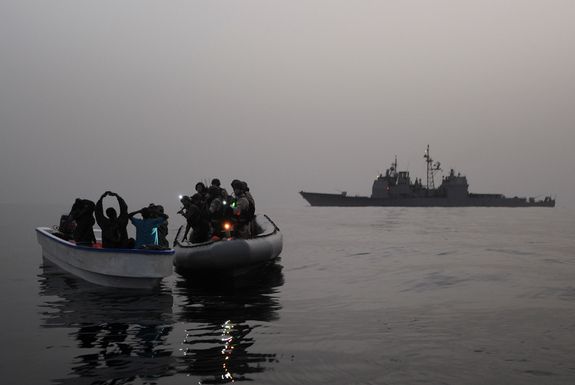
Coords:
pixel 396 189
pixel 472 200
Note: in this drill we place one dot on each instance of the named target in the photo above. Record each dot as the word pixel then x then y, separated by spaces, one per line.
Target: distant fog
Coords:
pixel 146 98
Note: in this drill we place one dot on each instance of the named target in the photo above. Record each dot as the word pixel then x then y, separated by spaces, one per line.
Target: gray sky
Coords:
pixel 147 97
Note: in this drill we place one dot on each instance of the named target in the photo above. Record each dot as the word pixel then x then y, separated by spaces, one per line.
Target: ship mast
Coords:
pixel 432 168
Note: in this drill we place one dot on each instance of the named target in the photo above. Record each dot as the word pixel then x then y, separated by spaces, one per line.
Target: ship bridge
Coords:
pixel 454 186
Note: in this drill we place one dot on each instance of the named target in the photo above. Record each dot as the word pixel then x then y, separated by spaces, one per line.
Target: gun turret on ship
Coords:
pixel 396 188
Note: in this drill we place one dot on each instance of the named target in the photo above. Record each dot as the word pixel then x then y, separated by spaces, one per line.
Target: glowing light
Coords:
pixel 225 202
pixel 227 226
pixel 180 196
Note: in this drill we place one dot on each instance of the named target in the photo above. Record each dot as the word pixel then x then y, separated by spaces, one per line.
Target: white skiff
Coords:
pixel 125 268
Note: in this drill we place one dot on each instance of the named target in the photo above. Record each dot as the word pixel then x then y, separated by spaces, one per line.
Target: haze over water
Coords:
pixel 360 296
pixel 146 98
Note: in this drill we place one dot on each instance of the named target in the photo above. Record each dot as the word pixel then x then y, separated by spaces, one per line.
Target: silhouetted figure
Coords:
pixel 202 192
pixel 114 226
pixel 242 211
pixel 246 189
pixel 216 211
pixel 252 212
pixel 197 219
pixel 147 227
pixel 200 188
pixel 157 211
pixel 66 227
pixel 217 185
pixel 184 211
pixel 82 213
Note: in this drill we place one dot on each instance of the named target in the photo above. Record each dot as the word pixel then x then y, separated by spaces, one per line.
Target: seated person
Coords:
pixel 82 213
pixel 66 227
pixel 147 227
pixel 157 211
pixel 114 227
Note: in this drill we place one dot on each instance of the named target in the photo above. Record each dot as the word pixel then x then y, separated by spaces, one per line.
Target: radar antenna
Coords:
pixel 432 168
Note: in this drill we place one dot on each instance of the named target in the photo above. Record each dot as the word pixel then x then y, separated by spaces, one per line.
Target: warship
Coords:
pixel 396 188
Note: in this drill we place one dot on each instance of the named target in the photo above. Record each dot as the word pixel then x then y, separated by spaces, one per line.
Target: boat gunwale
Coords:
pixel 44 231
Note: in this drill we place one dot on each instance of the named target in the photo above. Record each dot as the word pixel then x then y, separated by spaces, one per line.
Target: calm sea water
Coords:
pixel 360 296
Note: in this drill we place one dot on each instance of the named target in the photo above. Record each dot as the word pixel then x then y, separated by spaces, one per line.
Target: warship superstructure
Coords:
pixel 396 188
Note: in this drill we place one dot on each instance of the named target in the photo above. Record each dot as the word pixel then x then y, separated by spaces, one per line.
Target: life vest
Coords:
pixel 247 214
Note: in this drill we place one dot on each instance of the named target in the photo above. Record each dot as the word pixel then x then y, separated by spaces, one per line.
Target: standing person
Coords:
pixel 202 192
pixel 252 213
pixel 185 211
pixel 114 226
pixel 147 227
pixel 222 191
pixel 246 189
pixel 216 210
pixel 82 213
pixel 241 211
pixel 197 219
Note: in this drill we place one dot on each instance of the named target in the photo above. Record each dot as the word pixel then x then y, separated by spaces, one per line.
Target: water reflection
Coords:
pixel 120 334
pixel 221 315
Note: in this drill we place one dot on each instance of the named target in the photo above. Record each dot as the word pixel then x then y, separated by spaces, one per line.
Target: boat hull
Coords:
pixel 122 268
pixel 472 200
pixel 230 255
